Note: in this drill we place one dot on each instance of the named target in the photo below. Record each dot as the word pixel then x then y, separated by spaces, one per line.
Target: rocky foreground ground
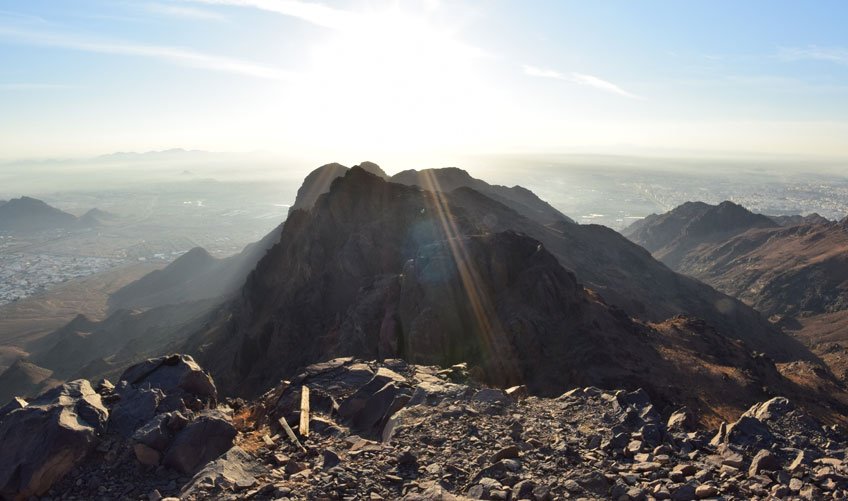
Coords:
pixel 396 431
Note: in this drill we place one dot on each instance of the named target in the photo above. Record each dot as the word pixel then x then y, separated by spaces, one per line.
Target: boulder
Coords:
pixel 770 409
pixel 46 439
pixel 202 440
pixel 234 470
pixel 135 408
pixel 370 407
pixel 173 374
pixel 763 461
pixel 159 432
pixel 748 431
pixel 682 421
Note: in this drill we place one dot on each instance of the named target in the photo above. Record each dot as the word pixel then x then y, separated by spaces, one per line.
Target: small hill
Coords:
pixel 24 379
pixel 122 338
pixel 94 218
pixel 25 215
pixel 194 276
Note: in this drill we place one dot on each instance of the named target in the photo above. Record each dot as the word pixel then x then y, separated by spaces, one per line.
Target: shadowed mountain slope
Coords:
pixel 382 270
pixel 24 378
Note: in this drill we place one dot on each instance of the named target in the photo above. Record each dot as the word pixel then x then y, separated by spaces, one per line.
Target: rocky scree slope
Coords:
pixel 393 430
pixel 159 426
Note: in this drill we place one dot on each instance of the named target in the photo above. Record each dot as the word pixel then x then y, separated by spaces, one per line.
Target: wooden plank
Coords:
pixel 291 434
pixel 304 412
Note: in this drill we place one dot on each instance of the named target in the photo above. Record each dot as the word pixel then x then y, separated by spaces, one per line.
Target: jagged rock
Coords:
pixel 763 461
pixel 518 392
pixel 683 420
pixel 509 452
pixel 705 491
pixel 490 395
pixel 684 492
pixel 748 431
pixel 331 459
pixel 174 375
pixel 157 435
pixel 770 409
pixel 202 440
pixel 41 442
pixel 370 407
pixel 147 455
pixel 135 408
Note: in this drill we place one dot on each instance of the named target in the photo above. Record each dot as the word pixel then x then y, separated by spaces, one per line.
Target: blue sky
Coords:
pixel 423 79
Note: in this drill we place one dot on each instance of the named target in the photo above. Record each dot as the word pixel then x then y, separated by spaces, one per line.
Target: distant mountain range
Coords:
pixel 786 266
pixel 28 215
pixel 438 267
pixel 792 269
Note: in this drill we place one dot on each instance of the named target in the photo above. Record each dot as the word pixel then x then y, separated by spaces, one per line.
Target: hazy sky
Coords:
pixel 428 79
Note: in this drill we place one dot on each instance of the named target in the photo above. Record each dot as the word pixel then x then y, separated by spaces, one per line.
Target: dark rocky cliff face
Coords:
pixel 381 270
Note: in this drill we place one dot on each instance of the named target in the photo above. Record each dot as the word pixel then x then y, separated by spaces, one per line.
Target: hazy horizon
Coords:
pixel 425 83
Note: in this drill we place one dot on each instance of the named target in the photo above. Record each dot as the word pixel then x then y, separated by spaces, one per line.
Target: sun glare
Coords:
pixel 390 78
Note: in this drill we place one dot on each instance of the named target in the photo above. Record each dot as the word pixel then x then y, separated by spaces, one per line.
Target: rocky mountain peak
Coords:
pixel 373 169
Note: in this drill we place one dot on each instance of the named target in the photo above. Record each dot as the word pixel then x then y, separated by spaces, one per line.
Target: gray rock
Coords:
pixel 763 461
pixel 331 459
pixel 232 471
pixel 135 408
pixel 201 441
pixel 46 439
pixel 490 395
pixel 509 452
pixel 769 410
pixel 369 409
pixel 173 374
pixel 684 492
pixel 683 420
pixel 706 491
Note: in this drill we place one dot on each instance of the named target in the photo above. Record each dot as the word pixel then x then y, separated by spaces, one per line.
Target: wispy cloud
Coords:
pixel 837 55
pixel 31 86
pixel 184 12
pixel 174 55
pixel 580 79
pixel 315 13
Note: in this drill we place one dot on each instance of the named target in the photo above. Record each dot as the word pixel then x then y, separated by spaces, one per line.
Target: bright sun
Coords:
pixel 390 79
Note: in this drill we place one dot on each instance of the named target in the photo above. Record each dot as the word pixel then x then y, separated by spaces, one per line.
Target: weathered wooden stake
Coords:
pixel 291 434
pixel 304 412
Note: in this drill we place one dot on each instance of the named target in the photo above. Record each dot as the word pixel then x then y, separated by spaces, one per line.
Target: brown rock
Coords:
pixel 509 452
